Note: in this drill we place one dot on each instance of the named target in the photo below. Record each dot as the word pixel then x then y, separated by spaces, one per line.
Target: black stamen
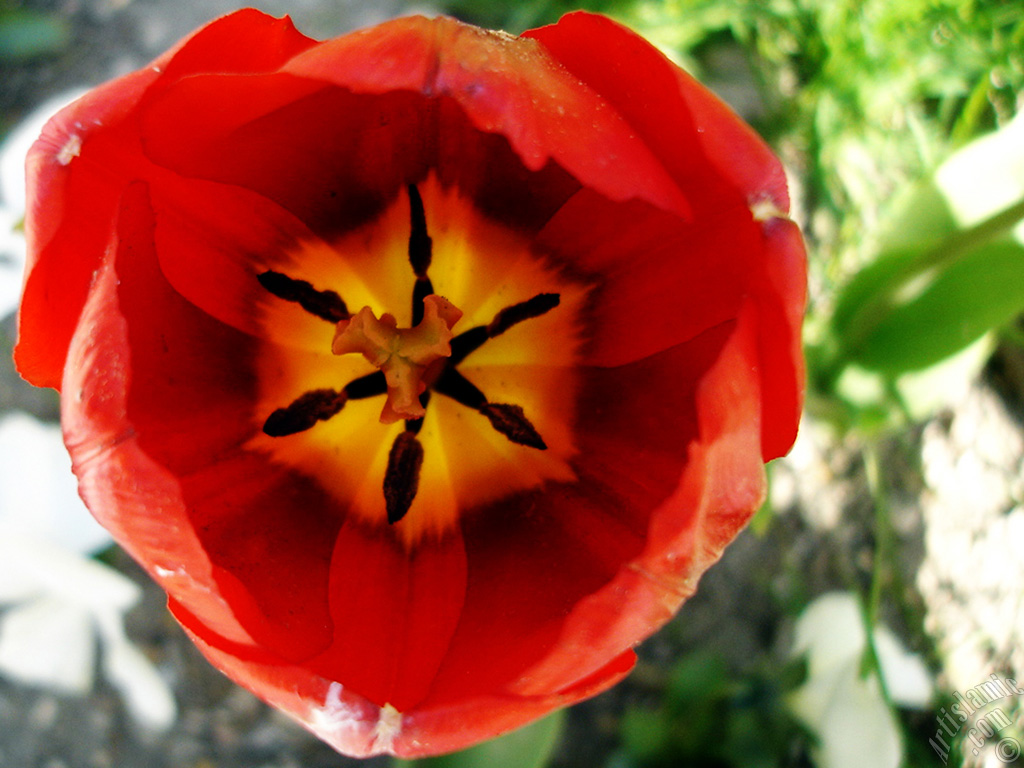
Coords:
pixel 473 339
pixel 420 253
pixel 402 477
pixel 466 342
pixel 507 419
pixel 524 310
pixel 453 384
pixel 309 408
pixel 513 424
pixel 370 385
pixel 419 241
pixel 326 305
pixel 420 290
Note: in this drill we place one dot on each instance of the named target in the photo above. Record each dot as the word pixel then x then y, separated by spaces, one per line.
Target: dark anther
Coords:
pixel 370 385
pixel 326 305
pixel 513 424
pixel 524 310
pixel 507 419
pixel 453 384
pixel 315 405
pixel 466 342
pixel 419 241
pixel 420 253
pixel 420 290
pixel 402 477
pixel 472 339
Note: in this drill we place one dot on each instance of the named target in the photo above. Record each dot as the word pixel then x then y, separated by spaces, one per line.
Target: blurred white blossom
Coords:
pixel 57 605
pixel 845 709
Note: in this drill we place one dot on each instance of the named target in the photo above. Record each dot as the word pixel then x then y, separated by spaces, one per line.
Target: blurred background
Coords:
pixel 876 597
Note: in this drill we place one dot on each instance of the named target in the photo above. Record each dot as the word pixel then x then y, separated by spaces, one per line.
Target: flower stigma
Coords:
pixel 510 361
pixel 404 355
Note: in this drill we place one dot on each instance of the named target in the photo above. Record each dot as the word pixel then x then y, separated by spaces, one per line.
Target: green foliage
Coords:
pixel 863 99
pixel 514 16
pixel 948 270
pixel 708 717
pixel 868 90
pixel 528 747
pixel 28 35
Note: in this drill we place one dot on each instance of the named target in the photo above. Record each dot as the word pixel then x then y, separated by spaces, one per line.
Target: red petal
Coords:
pixel 356 727
pixel 395 612
pixel 463 723
pixel 780 295
pixel 213 241
pixel 720 486
pixel 538 555
pixel 269 43
pixel 67 222
pixel 134 497
pixel 691 131
pixel 411 77
pixel 77 169
pixel 661 281
pixel 506 85
pixel 175 428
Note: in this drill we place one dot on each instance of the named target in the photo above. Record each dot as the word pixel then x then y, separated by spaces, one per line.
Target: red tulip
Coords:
pixel 426 368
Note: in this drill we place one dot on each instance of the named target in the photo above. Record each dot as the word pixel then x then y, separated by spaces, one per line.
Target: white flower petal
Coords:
pixel 50 643
pixel 811 700
pixel 146 696
pixel 857 728
pixel 38 492
pixel 12 261
pixel 830 631
pixel 906 676
pixel 986 176
pixel 854 723
pixel 65 575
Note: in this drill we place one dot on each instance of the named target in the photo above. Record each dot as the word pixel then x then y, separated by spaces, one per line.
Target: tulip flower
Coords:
pixel 425 368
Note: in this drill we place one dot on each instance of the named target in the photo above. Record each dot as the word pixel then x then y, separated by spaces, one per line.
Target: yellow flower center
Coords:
pixel 470 416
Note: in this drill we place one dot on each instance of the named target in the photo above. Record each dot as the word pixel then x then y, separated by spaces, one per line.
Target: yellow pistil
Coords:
pixel 405 355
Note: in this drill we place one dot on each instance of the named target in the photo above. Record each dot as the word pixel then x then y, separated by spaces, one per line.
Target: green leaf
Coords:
pixel 646 734
pixel 27 35
pixel 947 309
pixel 700 677
pixel 950 265
pixel 529 747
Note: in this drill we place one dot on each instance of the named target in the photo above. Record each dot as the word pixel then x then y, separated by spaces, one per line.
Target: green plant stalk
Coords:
pixel 870 607
pixel 967 123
